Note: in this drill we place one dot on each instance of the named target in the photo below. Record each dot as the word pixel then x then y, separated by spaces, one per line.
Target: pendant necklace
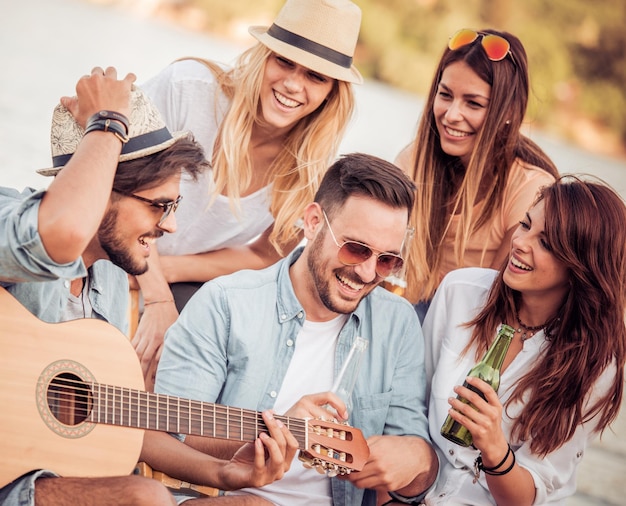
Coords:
pixel 526 331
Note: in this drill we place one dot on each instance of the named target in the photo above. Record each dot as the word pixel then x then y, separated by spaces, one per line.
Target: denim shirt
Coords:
pixel 234 339
pixel 39 283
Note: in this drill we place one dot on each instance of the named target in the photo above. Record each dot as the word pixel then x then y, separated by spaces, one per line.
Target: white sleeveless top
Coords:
pixel 185 94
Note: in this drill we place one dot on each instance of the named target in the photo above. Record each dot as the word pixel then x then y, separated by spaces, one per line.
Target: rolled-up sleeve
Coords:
pixel 23 256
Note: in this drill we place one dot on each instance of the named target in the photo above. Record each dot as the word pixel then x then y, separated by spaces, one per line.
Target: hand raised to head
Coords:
pixel 100 90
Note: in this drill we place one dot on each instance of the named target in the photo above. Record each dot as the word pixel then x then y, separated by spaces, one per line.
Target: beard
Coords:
pixel 114 247
pixel 318 268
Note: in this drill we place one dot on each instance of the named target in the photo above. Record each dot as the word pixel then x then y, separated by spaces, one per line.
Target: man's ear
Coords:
pixel 313 220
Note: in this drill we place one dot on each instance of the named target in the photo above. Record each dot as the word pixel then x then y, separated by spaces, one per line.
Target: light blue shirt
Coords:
pixel 43 287
pixel 39 283
pixel 233 342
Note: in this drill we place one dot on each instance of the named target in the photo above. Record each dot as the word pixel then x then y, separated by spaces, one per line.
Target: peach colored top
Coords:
pixel 524 182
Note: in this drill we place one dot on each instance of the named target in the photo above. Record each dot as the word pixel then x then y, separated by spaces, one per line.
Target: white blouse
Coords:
pixel 189 99
pixel 458 299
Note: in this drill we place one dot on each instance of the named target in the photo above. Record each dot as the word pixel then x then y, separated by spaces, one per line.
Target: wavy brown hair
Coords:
pixel 445 186
pixel 585 227
pixel 185 155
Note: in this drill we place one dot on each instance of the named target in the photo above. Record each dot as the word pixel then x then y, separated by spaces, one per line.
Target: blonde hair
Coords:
pixel 445 187
pixel 309 149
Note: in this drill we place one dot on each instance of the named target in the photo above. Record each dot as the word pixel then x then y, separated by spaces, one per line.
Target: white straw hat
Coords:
pixel 147 133
pixel 318 34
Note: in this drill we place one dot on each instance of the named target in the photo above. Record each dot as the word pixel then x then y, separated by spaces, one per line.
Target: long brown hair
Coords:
pixel 445 186
pixel 585 226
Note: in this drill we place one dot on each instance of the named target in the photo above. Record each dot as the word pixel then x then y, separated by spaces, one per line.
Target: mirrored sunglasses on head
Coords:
pixel 496 47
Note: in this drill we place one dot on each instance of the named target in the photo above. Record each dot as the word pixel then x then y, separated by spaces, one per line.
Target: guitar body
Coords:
pixel 32 352
pixel 72 400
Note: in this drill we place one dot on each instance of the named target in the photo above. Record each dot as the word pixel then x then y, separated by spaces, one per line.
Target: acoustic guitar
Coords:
pixel 72 400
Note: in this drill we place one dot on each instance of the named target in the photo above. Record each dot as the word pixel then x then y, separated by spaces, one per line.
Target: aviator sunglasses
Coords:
pixel 167 207
pixel 496 48
pixel 355 253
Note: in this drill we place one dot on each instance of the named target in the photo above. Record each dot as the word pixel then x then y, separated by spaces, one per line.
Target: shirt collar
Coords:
pixel 287 303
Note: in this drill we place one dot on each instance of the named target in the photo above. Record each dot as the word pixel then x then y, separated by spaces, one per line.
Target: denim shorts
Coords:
pixel 21 492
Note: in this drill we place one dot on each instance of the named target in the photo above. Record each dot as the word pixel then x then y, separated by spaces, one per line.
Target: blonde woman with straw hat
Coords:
pixel 270 126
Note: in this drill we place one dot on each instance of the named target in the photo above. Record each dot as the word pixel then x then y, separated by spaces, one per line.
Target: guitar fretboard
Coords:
pixel 127 407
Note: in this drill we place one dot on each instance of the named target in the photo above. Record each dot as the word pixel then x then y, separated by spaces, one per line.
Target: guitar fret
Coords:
pixel 214 420
pixel 202 419
pixel 126 407
pixel 106 404
pixel 118 395
pixel 241 428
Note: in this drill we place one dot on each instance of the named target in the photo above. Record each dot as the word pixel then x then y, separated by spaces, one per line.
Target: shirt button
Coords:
pixel 283 317
pixel 300 315
pixel 289 342
pixel 66 283
pixel 451 452
pixel 273 394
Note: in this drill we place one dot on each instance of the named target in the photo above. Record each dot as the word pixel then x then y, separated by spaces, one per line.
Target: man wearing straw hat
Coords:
pixel 65 254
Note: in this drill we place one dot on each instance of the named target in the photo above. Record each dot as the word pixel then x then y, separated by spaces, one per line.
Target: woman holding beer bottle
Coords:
pixel 563 291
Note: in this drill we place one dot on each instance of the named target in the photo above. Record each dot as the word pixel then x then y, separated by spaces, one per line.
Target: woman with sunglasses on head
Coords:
pixel 563 290
pixel 476 173
pixel 270 126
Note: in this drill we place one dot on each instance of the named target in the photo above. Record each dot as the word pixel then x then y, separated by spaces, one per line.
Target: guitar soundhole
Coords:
pixel 69 399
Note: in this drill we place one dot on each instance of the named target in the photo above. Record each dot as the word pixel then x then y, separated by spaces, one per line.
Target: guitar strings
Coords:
pixel 158 407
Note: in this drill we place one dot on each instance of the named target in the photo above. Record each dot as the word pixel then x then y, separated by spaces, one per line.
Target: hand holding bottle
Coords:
pixel 488 371
pixel 478 409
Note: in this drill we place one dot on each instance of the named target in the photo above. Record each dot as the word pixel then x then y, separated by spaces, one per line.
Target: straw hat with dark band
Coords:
pixel 318 34
pixel 147 133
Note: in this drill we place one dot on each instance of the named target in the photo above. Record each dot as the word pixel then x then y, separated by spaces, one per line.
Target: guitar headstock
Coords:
pixel 334 448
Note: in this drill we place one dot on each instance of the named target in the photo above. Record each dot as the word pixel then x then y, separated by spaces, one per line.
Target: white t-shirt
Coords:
pixel 310 371
pixel 189 99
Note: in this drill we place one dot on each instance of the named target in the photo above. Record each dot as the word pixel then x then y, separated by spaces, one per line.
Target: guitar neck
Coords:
pixel 127 407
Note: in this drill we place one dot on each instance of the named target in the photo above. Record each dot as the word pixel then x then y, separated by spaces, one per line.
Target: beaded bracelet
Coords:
pixel 106 125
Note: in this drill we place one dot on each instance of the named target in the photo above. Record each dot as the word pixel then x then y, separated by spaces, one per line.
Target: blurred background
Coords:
pixel 576 50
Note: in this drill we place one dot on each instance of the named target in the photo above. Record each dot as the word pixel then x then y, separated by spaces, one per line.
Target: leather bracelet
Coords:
pixel 104 114
pixel 491 470
pixel 106 125
pixel 485 468
pixel 501 473
pixel 157 302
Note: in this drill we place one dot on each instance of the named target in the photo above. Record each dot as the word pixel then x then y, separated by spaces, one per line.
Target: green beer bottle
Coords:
pixel 488 370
